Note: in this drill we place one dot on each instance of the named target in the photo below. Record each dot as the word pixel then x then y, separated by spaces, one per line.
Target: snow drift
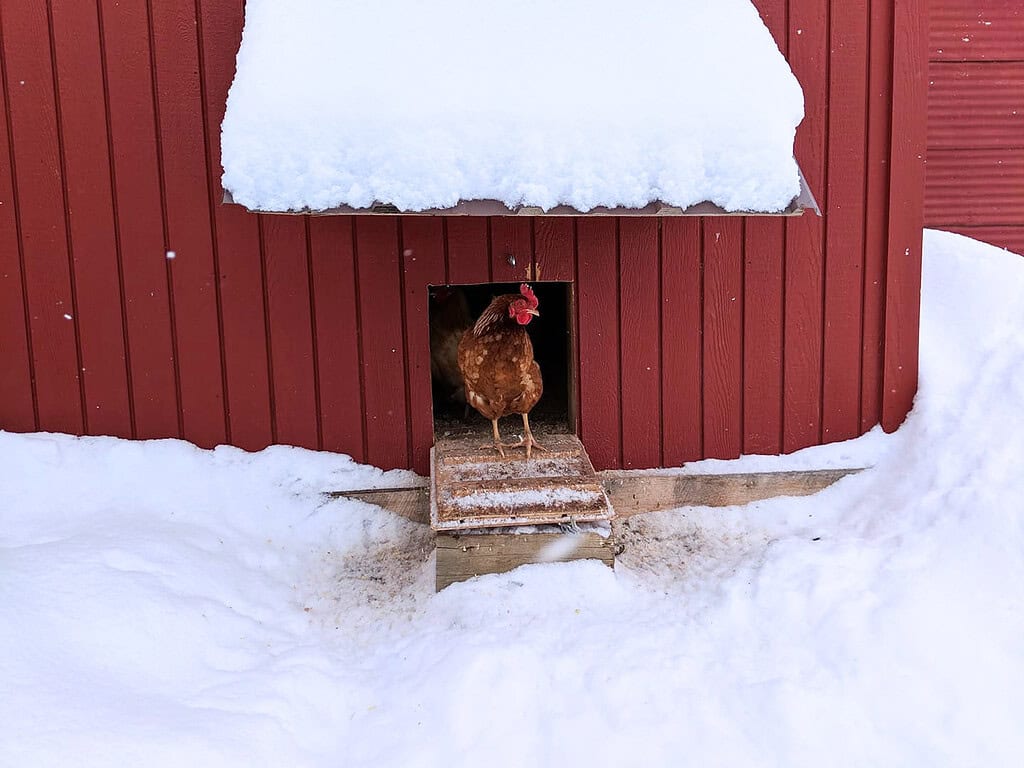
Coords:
pixel 167 606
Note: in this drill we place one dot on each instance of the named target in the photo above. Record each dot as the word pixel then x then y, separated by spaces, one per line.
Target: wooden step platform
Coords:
pixel 472 486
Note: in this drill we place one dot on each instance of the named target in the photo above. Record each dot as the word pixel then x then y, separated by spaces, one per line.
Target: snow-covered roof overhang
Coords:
pixel 485 107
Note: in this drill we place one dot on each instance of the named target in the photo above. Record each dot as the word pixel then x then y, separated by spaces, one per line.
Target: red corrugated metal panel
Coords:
pixel 974 186
pixel 976 30
pixel 976 105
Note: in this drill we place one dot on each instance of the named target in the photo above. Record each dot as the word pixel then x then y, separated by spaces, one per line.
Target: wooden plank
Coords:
pixel 468 260
pixel 461 557
pixel 650 493
pixel 95 252
pixel 723 338
pixel 640 340
pixel 423 263
pixel 804 279
pixel 763 269
pixel 682 313
pixel 636 492
pixel 336 322
pixel 511 248
pixel 555 244
pixel 844 251
pixel 968 30
pixel 380 309
pixel 125 34
pixel 411 503
pixel 598 303
pixel 37 161
pixel 291 323
pixel 187 214
pixel 876 226
pixel 237 242
pixel 472 487
pixel 906 193
pixel 977 105
pixel 17 410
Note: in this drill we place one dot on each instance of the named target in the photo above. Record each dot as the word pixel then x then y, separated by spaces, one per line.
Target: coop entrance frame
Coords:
pixel 555 342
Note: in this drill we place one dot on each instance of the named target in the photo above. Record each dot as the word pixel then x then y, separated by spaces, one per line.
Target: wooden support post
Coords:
pixel 463 556
pixel 633 493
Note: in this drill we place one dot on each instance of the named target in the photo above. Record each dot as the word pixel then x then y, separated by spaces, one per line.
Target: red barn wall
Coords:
pixel 697 337
pixel 975 177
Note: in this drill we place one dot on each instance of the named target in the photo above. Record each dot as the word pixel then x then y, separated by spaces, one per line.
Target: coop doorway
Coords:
pixel 452 308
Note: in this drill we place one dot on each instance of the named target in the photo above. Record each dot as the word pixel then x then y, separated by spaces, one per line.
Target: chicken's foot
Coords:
pixel 528 439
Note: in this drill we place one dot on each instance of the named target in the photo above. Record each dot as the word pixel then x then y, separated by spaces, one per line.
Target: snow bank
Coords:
pixel 580 102
pixel 166 606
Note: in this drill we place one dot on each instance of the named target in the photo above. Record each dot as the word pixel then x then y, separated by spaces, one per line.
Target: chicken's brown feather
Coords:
pixel 497 365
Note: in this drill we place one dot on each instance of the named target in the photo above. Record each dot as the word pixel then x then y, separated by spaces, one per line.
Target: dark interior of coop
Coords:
pixel 452 306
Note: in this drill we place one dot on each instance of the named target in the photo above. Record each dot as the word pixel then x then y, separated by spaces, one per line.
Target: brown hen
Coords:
pixel 497 365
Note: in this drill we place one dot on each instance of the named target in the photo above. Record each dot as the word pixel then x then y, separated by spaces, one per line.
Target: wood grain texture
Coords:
pixel 137 198
pixel 511 248
pixel 337 349
pixel 37 162
pixel 598 296
pixel 763 270
pixel 423 244
pixel 555 244
pixel 682 319
pixel 906 195
pixel 90 214
pixel 468 250
pixel 384 382
pixel 805 237
pixel 17 407
pixel 632 492
pixel 461 557
pixel 181 135
pixel 723 338
pixel 763 273
pixel 876 224
pixel 844 247
pixel 237 244
pixel 640 340
pixel 291 340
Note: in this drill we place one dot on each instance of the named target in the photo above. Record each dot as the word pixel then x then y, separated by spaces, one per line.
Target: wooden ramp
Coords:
pixel 472 487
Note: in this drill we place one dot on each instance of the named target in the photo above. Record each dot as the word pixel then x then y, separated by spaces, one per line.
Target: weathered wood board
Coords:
pixel 463 556
pixel 474 487
pixel 632 493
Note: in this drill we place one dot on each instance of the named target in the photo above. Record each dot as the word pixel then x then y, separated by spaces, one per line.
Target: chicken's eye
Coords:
pixel 513 308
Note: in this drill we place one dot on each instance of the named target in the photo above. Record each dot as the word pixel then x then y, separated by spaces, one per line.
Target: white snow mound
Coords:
pixel 167 606
pixel 578 102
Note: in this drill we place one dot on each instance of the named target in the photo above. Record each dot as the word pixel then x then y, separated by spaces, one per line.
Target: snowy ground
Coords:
pixel 166 606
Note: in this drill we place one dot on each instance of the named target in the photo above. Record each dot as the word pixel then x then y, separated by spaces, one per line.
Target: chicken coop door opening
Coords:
pixel 453 308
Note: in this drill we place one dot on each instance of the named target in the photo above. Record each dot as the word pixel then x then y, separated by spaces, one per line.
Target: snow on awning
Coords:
pixel 476 106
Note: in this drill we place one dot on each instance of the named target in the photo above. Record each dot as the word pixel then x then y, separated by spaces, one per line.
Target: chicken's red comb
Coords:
pixel 531 299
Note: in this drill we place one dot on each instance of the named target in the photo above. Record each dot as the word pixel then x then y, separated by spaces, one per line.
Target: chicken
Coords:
pixel 498 370
pixel 449 319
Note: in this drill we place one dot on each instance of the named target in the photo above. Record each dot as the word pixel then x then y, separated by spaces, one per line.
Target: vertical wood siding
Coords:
pixel 975 178
pixel 694 337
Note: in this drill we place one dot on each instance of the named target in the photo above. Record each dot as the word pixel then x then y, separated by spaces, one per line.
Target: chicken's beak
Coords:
pixel 533 312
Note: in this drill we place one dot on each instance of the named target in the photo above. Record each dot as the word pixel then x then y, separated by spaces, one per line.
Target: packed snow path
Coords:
pixel 166 606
